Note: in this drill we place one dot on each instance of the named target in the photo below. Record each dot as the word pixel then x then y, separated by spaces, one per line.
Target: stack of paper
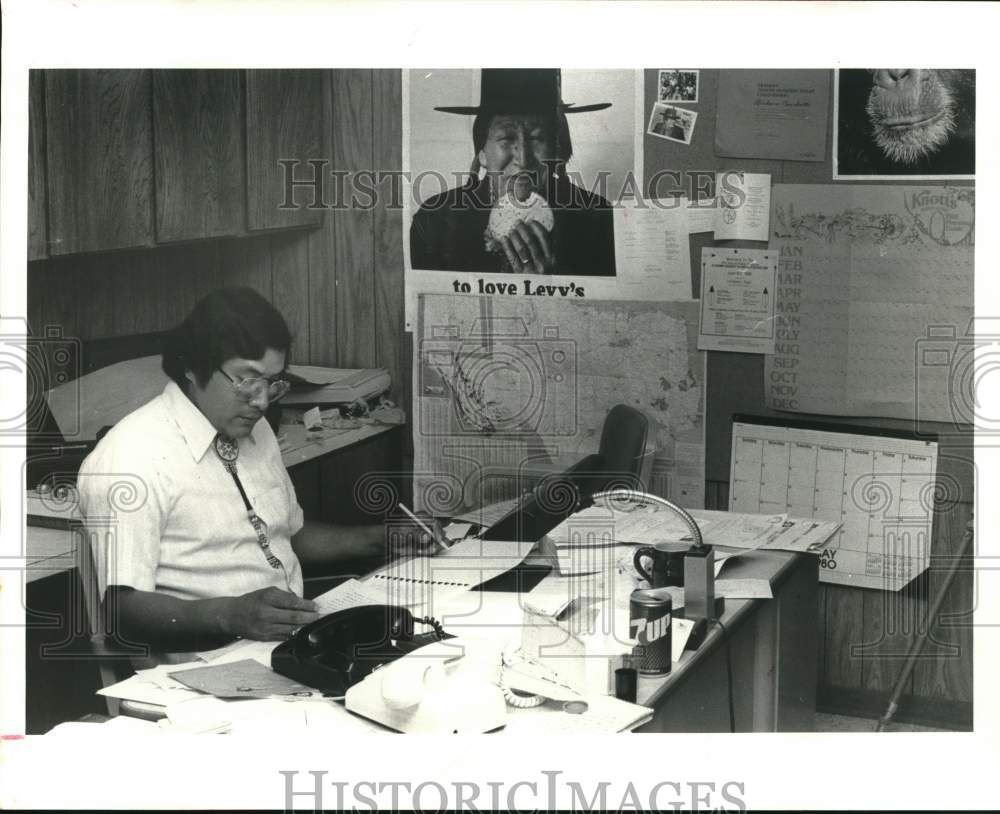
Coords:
pixel 326 385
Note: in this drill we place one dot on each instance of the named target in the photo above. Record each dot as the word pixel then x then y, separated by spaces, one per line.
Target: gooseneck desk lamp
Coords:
pixel 700 604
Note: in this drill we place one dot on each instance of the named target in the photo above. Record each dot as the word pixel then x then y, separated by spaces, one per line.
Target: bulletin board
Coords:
pixel 735 381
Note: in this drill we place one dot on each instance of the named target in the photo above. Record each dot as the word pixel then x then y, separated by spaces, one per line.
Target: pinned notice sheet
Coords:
pixel 651 240
pixel 744 205
pixel 737 300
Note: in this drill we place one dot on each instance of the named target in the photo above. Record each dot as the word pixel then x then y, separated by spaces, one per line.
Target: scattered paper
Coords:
pixel 722 558
pixel 351 594
pixel 737 300
pixel 744 206
pixel 457 531
pixel 197 716
pixel 555 593
pixel 680 631
pixel 241 679
pixel 237 651
pixel 136 688
pixel 488 514
pixel 743 588
pixel 312 419
pixel 738 530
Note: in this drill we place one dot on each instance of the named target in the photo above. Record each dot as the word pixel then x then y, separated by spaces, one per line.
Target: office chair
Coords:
pixel 617 463
pixel 619 458
pixel 113 664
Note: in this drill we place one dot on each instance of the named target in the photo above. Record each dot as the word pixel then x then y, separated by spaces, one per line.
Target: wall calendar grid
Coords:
pixel 880 487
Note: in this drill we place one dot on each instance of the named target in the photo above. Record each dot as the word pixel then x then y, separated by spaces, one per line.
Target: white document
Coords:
pixel 874 488
pixel 738 530
pixel 875 302
pixel 555 593
pixel 737 300
pixel 592 541
pixel 652 249
pixel 488 514
pixel 680 631
pixel 743 588
pixel 457 531
pixel 137 688
pixel 237 651
pixel 744 206
pixel 350 594
pixel 701 215
pixel 311 419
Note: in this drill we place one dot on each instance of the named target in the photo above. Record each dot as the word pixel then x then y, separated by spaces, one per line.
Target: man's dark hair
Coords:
pixel 229 323
pixel 557 123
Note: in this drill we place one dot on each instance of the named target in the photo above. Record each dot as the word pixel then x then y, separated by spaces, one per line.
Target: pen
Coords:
pixel 444 541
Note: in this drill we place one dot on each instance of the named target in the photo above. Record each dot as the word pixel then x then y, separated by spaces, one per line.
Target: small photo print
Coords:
pixel 677 86
pixel 672 123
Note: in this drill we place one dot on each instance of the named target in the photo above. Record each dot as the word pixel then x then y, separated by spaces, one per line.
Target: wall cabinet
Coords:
pixel 284 115
pixel 198 145
pixel 99 152
pixel 134 158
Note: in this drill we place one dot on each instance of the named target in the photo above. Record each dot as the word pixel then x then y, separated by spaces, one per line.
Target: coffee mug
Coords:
pixel 667 564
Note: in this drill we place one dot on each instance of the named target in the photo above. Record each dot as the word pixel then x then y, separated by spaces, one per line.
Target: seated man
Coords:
pixel 211 547
pixel 519 212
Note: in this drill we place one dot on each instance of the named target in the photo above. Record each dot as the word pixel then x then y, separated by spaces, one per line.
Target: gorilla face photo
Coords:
pixel 905 123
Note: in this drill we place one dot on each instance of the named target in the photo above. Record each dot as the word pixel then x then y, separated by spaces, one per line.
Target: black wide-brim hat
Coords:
pixel 522 90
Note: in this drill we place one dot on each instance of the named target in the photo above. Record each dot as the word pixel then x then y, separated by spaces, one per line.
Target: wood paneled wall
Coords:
pixel 340 284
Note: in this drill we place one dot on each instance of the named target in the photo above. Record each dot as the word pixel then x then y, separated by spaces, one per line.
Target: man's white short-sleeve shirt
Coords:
pixel 169 516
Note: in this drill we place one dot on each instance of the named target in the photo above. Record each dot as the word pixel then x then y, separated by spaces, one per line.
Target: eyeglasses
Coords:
pixel 255 387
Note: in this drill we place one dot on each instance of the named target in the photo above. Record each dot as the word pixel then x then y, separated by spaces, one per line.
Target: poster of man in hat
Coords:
pixel 516 170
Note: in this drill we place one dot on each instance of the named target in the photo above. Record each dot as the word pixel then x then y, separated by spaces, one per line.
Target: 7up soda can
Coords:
pixel 649 626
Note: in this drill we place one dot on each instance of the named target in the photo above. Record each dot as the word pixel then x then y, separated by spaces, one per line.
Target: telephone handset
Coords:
pixel 457 686
pixel 340 649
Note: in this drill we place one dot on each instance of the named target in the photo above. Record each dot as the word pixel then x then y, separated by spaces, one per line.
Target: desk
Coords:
pixel 773 649
pixel 299 446
pixel 773 646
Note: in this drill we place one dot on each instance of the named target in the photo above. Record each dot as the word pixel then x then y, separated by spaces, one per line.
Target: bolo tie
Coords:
pixel 228 451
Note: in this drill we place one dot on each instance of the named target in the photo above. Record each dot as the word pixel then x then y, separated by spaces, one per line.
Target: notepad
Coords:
pixel 467 564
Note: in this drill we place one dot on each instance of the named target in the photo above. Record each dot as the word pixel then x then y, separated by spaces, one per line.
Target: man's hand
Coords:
pixel 529 249
pixel 410 538
pixel 269 614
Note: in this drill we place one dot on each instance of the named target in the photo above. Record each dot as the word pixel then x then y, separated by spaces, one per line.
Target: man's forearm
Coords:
pixel 320 544
pixel 166 623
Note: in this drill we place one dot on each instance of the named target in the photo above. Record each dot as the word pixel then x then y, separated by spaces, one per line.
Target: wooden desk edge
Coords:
pixel 738 611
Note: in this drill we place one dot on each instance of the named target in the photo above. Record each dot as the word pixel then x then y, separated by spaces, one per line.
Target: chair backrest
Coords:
pixel 618 462
pixel 623 441
pixel 114 663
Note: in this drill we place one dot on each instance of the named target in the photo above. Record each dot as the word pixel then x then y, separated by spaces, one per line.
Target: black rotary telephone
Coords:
pixel 339 650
